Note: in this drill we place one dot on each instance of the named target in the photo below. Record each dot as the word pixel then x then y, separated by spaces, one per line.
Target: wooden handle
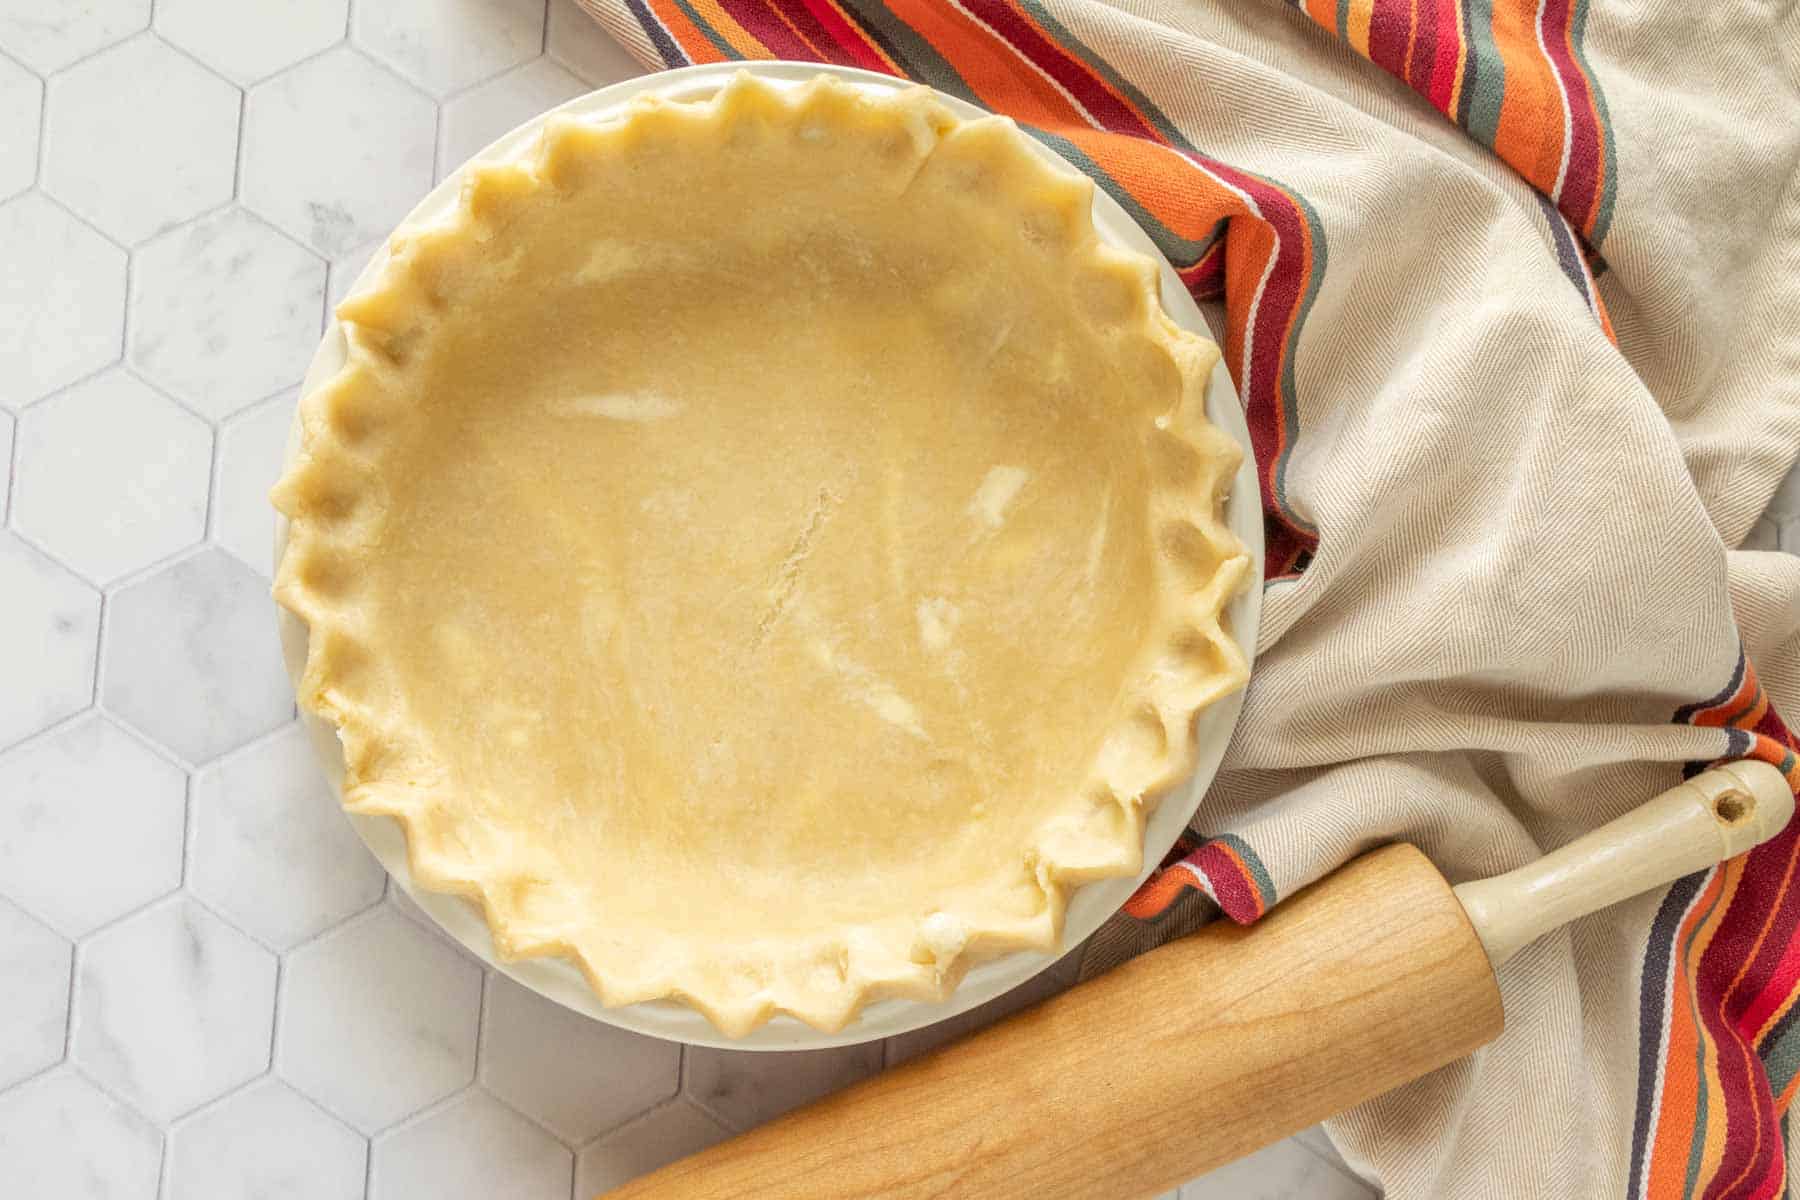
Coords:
pixel 1712 817
pixel 1182 1059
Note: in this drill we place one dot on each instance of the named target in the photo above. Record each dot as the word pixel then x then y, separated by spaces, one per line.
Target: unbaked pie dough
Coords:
pixel 765 549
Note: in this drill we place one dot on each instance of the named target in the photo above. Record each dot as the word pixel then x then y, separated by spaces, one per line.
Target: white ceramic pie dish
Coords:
pixel 1088 907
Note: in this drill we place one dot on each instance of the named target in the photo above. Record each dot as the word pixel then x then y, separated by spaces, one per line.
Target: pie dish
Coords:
pixel 766 549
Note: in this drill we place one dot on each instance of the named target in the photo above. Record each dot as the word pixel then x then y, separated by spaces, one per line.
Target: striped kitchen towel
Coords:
pixel 1509 289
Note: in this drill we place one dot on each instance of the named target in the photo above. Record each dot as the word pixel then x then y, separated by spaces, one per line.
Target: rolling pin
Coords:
pixel 1219 1043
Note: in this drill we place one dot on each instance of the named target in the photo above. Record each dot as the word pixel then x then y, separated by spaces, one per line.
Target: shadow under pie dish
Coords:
pixel 766 549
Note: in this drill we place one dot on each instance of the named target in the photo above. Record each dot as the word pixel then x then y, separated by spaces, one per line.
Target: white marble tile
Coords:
pixel 192 660
pixel 251 448
pixel 49 623
pixel 21 96
pixel 654 1140
pixel 336 150
pixel 61 1138
pixel 577 42
pixel 90 825
pixel 446 45
pixel 347 266
pixel 173 1008
pixel 267 1142
pixel 1764 535
pixel 34 1003
pixel 746 1088
pixel 113 477
pixel 1285 1171
pixel 574 1075
pixel 483 113
pixel 225 311
pixel 248 40
pixel 378 1020
pixel 919 1041
pixel 47 35
pixel 474 1148
pixel 62 299
pixel 272 849
pixel 139 138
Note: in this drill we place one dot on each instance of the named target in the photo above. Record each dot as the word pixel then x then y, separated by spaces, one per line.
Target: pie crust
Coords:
pixel 765 549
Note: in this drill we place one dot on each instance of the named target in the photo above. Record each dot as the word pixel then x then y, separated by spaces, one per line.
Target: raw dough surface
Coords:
pixel 765 549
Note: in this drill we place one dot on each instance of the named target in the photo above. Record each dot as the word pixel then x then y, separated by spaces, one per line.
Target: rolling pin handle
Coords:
pixel 1714 816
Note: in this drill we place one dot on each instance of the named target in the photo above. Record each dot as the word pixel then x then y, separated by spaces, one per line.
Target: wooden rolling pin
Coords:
pixel 1214 1045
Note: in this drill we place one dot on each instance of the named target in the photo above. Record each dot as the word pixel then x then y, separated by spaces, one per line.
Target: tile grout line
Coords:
pixel 49 731
pixel 209 530
pixel 43 131
pixel 132 284
pixel 64 389
pixel 185 893
pixel 59 1067
pixel 150 744
pixel 481 1024
pixel 165 1167
pixel 187 833
pixel 86 223
pixel 185 406
pixel 107 1090
pixel 102 622
pixel 215 72
pixel 237 150
pixel 75 956
pixel 275 1006
pixel 14 457
pixel 437 140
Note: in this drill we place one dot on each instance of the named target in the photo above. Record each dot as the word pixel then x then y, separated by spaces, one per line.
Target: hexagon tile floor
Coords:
pixel 209 989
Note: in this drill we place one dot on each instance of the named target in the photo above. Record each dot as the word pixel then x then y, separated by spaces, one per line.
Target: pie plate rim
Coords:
pixel 1089 906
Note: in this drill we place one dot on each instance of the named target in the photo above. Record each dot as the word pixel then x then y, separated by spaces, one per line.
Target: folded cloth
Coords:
pixel 1511 292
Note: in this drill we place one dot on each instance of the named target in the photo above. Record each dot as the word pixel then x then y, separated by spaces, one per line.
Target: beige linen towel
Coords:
pixel 1511 291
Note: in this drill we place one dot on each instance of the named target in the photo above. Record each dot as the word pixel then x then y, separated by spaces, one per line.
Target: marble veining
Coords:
pixel 445 48
pixel 320 165
pixel 62 1136
pixel 173 1008
pixel 146 112
pixel 229 311
pixel 192 659
pixel 90 825
pixel 381 1020
pixel 270 850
